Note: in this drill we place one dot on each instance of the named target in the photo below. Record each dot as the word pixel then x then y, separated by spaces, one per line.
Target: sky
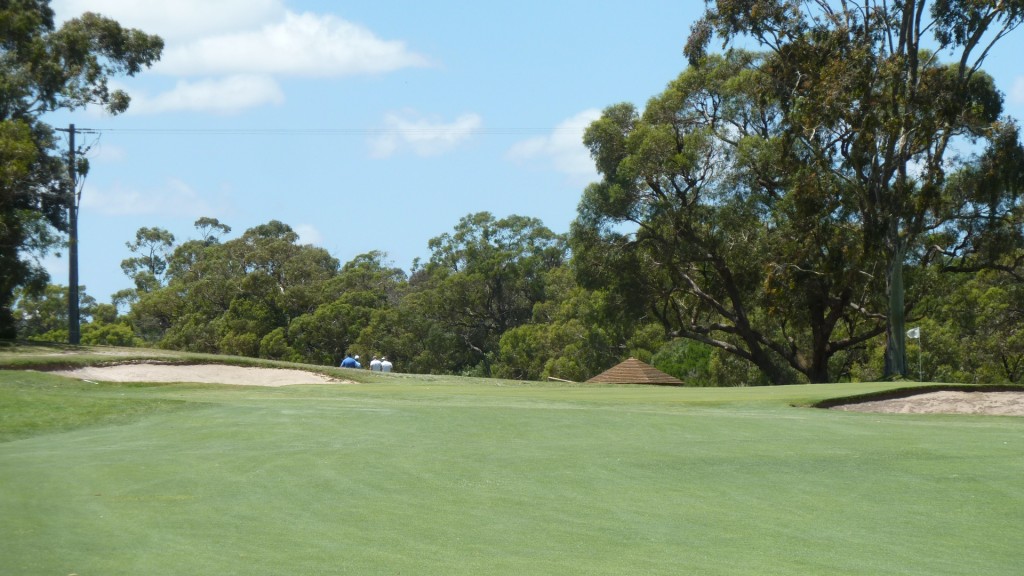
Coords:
pixel 369 125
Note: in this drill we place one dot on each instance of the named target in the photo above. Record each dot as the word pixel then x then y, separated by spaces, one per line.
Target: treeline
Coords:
pixel 497 297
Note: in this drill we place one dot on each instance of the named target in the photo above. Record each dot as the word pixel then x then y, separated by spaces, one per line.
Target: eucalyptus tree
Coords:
pixel 152 247
pixel 573 334
pixel 226 297
pixel 707 218
pixel 865 97
pixel 271 280
pixel 44 69
pixel 482 279
pixel 366 287
pixel 45 313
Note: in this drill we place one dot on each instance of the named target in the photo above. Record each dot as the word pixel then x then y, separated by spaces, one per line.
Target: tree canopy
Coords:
pixel 44 69
pixel 732 240
pixel 866 99
pixel 779 202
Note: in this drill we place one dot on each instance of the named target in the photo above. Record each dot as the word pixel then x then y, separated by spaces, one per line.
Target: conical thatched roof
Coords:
pixel 633 371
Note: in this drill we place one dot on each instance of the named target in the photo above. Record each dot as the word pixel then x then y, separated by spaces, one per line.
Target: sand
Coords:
pixel 946 402
pixel 201 373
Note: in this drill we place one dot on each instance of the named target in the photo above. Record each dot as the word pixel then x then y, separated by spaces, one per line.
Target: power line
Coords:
pixel 326 131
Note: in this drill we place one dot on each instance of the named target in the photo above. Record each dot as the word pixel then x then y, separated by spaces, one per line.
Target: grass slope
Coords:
pixel 432 475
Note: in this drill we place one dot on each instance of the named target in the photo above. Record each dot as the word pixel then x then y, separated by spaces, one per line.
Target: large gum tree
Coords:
pixel 706 217
pixel 889 98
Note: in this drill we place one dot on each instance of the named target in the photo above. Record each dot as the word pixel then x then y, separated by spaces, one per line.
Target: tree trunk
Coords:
pixel 895 343
pixel 760 358
pixel 817 372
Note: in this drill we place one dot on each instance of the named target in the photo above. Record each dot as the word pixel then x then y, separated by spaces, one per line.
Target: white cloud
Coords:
pixel 425 136
pixel 1017 92
pixel 562 150
pixel 107 153
pixel 222 96
pixel 308 234
pixel 302 44
pixel 241 48
pixel 175 198
pixel 180 19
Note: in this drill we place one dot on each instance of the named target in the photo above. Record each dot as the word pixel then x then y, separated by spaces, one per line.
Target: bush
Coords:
pixel 688 360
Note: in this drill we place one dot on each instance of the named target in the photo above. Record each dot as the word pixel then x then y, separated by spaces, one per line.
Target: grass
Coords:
pixel 446 475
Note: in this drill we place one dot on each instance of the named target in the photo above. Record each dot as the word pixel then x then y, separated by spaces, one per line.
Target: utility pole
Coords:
pixel 74 323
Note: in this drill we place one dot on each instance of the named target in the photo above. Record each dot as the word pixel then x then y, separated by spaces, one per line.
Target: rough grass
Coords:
pixel 433 475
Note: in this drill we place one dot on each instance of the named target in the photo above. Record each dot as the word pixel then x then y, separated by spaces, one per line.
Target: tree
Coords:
pixel 863 100
pixel 688 360
pixel 574 334
pixel 153 246
pixel 707 219
pixel 228 297
pixel 24 217
pixel 210 230
pixel 365 286
pixel 45 69
pixel 482 280
pixel 44 314
pixel 971 330
pixel 569 335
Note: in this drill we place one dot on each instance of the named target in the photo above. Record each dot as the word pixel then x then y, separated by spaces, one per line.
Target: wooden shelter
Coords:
pixel 633 371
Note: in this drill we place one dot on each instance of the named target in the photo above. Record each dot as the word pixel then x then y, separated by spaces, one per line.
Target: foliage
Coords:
pixel 152 246
pixel 482 280
pixel 710 224
pixel 227 297
pixel 45 69
pixel 574 334
pixel 264 295
pixel 775 205
pixel 688 360
pixel 326 335
pixel 863 102
pixel 43 317
pixel 36 313
pixel 971 331
pixel 276 347
pixel 113 334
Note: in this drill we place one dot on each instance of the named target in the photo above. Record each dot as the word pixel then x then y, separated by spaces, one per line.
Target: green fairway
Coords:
pixel 434 475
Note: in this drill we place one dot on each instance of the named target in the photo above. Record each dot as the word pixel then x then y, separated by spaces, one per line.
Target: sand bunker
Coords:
pixel 201 373
pixel 946 402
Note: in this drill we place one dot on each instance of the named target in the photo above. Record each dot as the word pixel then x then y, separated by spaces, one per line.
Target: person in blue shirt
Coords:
pixel 349 362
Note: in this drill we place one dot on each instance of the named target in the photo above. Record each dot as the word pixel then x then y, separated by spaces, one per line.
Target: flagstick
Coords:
pixel 915 334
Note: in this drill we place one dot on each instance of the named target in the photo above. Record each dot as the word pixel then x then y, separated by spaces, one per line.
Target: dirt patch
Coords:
pixel 946 402
pixel 200 373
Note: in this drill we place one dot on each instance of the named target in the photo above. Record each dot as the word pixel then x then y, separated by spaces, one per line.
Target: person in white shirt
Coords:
pixel 375 364
pixel 385 365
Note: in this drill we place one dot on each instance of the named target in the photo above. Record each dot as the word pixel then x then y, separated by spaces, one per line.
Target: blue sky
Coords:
pixel 370 125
